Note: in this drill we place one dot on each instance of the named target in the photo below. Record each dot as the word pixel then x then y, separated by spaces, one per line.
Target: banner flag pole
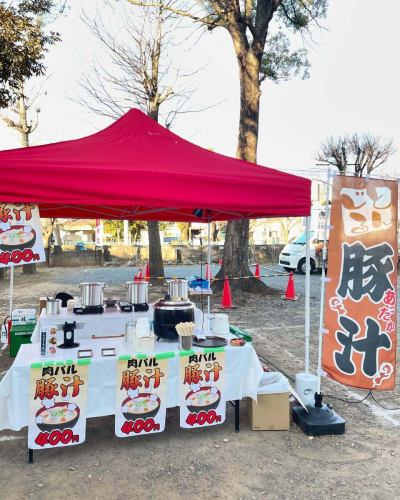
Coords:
pixel 323 281
pixel 320 419
pixel 307 299
pixel 306 382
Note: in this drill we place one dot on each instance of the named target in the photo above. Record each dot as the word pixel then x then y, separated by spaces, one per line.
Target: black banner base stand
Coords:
pixel 321 419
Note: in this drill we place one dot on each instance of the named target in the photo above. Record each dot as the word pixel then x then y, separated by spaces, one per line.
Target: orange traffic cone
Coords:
pixel 257 271
pixel 226 300
pixel 290 293
pixel 140 275
pixel 208 273
pixel 147 273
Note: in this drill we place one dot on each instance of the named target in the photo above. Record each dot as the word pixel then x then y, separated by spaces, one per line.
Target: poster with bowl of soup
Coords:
pixel 202 379
pixel 57 404
pixel 21 238
pixel 141 396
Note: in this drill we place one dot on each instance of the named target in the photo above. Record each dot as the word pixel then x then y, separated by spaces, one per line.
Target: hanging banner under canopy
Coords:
pixel 21 238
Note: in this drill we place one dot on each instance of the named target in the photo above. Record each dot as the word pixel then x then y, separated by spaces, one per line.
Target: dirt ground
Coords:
pixel 214 462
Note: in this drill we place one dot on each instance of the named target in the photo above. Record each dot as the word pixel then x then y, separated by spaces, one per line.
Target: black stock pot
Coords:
pixel 168 313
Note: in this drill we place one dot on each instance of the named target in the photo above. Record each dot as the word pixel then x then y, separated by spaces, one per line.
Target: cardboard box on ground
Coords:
pixel 271 412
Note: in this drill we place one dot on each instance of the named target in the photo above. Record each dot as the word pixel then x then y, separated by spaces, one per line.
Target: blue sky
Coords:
pixel 354 86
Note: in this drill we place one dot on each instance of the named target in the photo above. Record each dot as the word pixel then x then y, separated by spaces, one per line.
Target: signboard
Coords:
pixel 360 307
pixel 202 398
pixel 141 398
pixel 21 238
pixel 57 404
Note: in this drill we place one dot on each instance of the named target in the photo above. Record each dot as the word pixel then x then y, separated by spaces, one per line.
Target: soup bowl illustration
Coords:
pixel 145 405
pixel 206 398
pixel 17 238
pixel 57 417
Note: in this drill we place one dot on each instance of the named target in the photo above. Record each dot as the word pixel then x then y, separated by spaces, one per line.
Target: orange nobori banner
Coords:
pixel 360 306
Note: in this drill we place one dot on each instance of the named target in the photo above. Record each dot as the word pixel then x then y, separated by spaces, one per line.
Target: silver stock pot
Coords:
pixel 137 292
pixel 178 289
pixel 92 294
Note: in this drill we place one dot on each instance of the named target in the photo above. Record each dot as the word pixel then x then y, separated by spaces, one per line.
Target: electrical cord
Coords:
pixel 354 401
pixel 265 360
pixel 268 362
pixel 329 396
pixel 384 407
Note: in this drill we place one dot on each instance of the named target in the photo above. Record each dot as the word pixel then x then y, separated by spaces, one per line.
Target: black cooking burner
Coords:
pixel 125 307
pixel 141 307
pixel 89 310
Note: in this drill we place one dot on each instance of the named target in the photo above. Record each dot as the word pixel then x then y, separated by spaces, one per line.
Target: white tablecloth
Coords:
pixel 111 322
pixel 242 377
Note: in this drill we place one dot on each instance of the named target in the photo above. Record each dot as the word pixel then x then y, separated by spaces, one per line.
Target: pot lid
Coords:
pixel 93 283
pixel 167 302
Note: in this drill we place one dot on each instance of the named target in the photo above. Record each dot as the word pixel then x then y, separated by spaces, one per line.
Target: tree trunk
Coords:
pixel 29 269
pixel 57 247
pixel 236 247
pixel 155 253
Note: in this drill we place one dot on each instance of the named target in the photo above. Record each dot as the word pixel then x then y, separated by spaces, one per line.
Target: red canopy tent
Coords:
pixel 137 169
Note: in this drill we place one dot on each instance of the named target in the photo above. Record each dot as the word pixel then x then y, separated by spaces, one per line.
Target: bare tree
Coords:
pixel 139 73
pixel 262 50
pixel 23 117
pixel 288 224
pixel 47 228
pixel 19 116
pixel 356 153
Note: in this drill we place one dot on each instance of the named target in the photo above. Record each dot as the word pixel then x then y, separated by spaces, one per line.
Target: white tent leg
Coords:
pixel 307 300
pixel 209 264
pixel 11 293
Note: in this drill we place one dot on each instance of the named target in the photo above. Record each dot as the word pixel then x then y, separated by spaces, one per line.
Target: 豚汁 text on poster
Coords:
pixel 57 405
pixel 202 389
pixel 141 393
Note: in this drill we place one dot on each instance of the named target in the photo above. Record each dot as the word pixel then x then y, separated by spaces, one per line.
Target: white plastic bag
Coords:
pixel 273 383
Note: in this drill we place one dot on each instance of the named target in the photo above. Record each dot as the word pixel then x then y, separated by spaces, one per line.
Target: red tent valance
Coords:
pixel 137 169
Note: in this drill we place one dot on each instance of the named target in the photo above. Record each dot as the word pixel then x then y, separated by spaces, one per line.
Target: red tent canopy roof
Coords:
pixel 137 169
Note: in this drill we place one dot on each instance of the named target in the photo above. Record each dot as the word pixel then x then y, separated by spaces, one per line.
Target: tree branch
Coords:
pixel 183 13
pixel 9 122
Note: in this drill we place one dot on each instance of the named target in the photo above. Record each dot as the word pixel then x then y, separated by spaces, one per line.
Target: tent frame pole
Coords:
pixel 209 263
pixel 11 291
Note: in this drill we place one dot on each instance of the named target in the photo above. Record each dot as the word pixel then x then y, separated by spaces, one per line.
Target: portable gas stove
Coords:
pixel 89 310
pixel 128 307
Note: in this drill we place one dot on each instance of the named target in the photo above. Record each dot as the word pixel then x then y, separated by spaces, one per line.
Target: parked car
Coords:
pixel 293 255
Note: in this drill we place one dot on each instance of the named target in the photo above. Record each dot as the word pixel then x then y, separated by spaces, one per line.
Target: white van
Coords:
pixel 293 255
